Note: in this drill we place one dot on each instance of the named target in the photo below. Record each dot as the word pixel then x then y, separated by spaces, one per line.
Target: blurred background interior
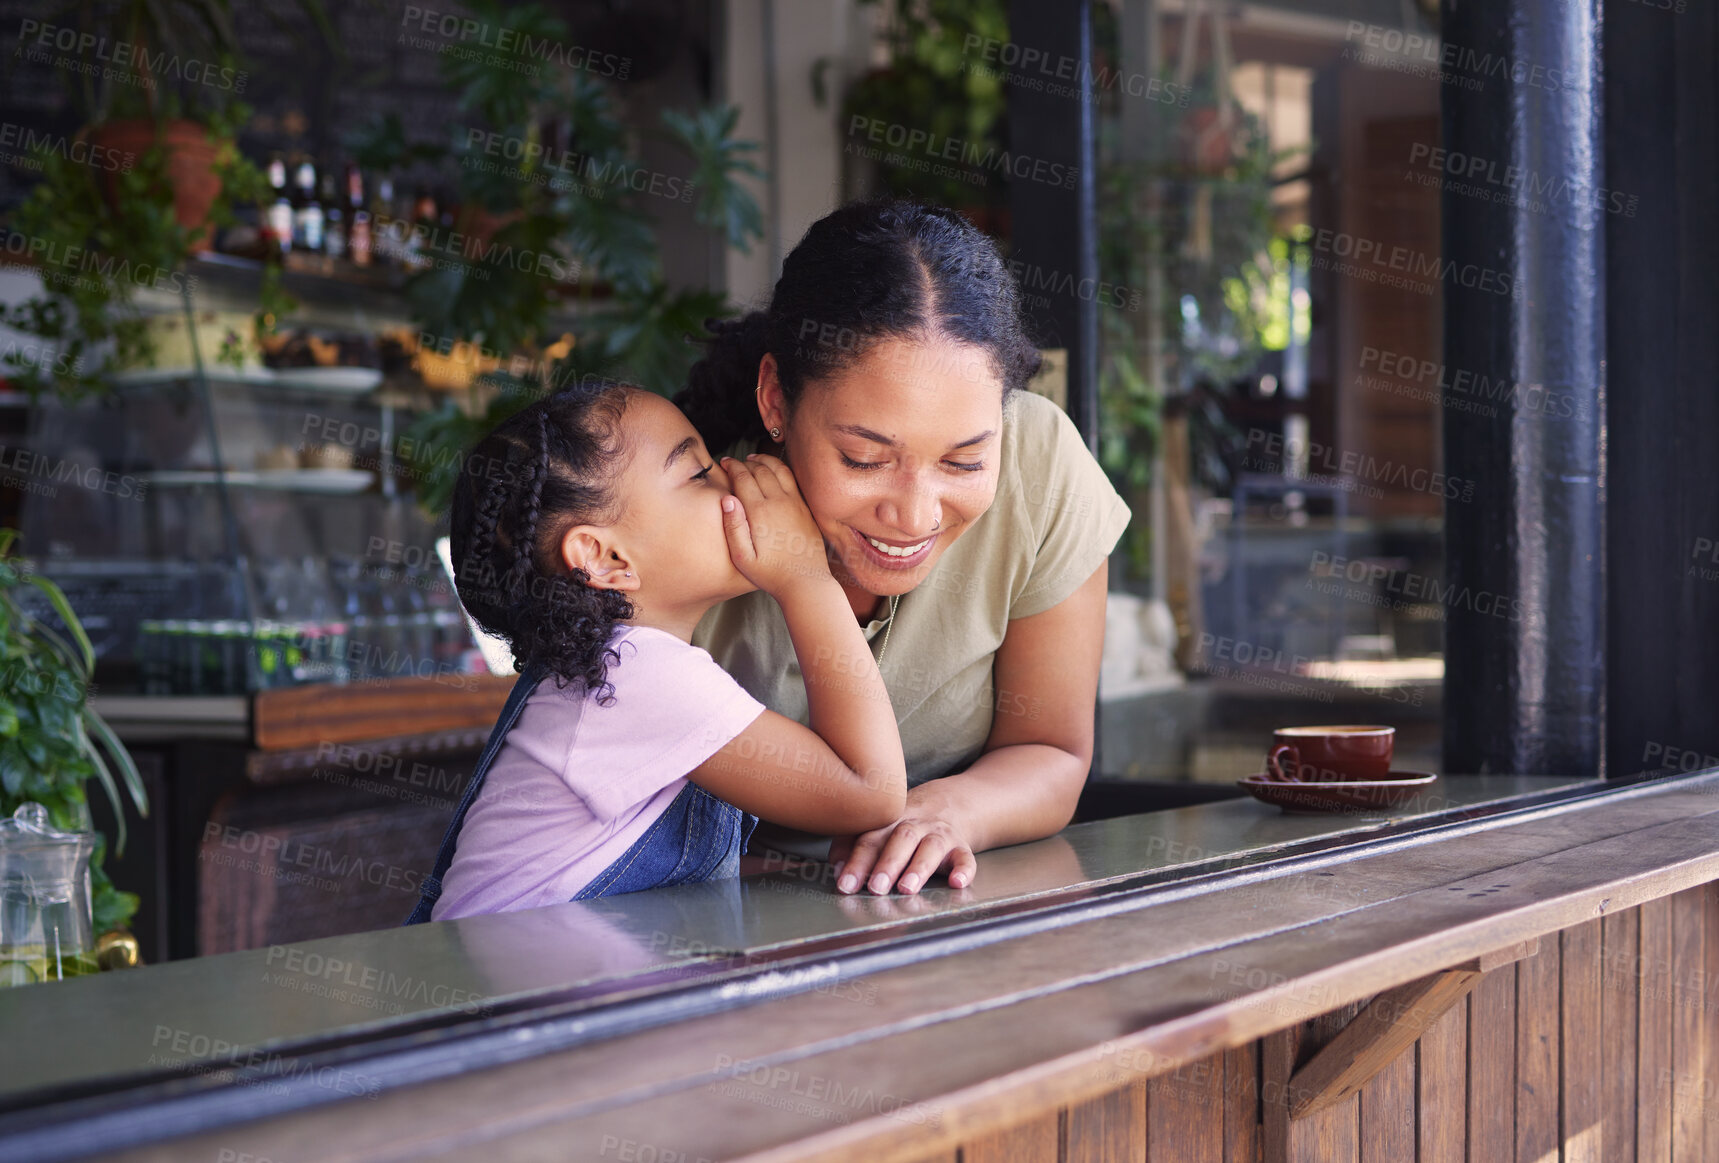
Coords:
pixel 238 476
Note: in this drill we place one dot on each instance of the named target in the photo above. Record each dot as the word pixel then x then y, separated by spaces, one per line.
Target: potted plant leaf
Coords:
pixel 587 214
pixel 52 742
pixel 934 82
pixel 161 170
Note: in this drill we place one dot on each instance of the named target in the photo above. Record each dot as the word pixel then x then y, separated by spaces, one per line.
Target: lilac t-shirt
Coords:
pixel 577 783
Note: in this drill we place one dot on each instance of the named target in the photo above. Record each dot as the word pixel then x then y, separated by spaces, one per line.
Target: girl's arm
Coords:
pixel 845 773
pixel 1027 782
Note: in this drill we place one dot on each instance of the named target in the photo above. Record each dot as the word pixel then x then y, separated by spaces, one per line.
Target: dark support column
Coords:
pixel 1054 224
pixel 1525 302
pixel 1662 281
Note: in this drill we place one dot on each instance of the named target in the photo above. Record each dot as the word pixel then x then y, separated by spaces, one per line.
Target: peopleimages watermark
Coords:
pixel 1704 560
pixel 528 160
pixel 1271 668
pixel 934 147
pixel 24 146
pixel 32 471
pixel 49 360
pixel 1509 183
pixel 122 61
pixel 633 1151
pixel 1061 75
pixel 61 265
pixel 819 1095
pixel 288 964
pixel 410 780
pixel 1398 266
pixel 204 1053
pixel 285 858
pixel 1424 55
pixel 1038 283
pixel 456 35
pixel 1460 389
pixel 1423 589
pixel 457 250
pixel 1664 757
pixel 1271 448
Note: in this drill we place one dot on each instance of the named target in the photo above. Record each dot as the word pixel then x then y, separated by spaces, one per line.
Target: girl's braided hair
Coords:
pixel 866 272
pixel 548 467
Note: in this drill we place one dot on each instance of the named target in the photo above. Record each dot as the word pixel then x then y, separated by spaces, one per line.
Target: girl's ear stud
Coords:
pixel 775 434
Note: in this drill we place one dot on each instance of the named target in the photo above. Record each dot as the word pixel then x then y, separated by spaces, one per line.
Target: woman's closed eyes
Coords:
pixel 868 465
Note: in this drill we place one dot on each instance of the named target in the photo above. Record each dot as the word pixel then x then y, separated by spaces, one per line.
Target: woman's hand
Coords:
pixel 772 538
pixel 926 840
pixel 1026 783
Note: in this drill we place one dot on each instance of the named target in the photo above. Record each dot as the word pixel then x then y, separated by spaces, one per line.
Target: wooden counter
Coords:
pixel 1160 1021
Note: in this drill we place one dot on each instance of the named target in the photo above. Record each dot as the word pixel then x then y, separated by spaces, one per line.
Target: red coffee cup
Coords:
pixel 1330 754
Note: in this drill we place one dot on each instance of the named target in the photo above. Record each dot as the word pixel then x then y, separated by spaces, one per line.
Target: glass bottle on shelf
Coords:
pixel 388 628
pixel 419 630
pixel 447 621
pixel 307 210
pixel 154 660
pixel 334 219
pixel 359 242
pixel 279 218
pixel 326 633
pixel 387 240
pixel 272 631
pixel 346 577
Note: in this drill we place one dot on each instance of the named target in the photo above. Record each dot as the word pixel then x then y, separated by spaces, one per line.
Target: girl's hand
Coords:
pixel 902 856
pixel 772 538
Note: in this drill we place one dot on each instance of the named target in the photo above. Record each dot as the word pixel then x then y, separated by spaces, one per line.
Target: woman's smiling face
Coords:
pixel 896 456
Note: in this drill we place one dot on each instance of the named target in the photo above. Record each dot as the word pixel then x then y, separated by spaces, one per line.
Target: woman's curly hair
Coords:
pixel 543 470
pixel 869 271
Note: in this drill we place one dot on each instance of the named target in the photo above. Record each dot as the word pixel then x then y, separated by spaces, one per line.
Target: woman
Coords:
pixel 966 520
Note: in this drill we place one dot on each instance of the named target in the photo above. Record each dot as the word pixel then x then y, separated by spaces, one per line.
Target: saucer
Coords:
pixel 1371 795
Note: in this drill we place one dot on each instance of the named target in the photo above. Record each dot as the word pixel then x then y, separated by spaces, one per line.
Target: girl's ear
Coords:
pixel 594 549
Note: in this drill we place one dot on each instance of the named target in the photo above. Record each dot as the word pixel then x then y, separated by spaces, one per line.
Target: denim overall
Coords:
pixel 698 837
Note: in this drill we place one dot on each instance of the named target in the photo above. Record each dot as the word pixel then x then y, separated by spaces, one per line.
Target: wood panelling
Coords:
pixel 1710 1011
pixel 1031 1142
pixel 1653 1035
pixel 1600 1047
pixel 1492 1068
pixel 1620 954
pixel 1441 1074
pixel 1537 1054
pixel 1582 1046
pixel 1108 1129
pixel 1689 1046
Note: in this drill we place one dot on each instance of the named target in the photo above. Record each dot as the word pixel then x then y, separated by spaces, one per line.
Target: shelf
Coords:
pixel 333 482
pixel 329 381
pixel 166 718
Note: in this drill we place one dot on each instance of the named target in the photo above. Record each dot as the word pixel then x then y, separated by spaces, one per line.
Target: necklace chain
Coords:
pixel 894 602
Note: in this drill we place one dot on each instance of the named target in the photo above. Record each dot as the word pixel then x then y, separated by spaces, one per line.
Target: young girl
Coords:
pixel 592 530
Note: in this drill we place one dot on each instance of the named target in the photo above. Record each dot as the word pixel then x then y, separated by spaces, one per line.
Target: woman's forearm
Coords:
pixel 1021 792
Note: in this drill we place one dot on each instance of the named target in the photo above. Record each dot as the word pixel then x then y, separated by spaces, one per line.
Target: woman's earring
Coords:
pixel 776 434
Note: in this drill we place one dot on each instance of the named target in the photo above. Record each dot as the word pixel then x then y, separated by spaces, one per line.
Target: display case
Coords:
pixel 227 528
pixel 276 633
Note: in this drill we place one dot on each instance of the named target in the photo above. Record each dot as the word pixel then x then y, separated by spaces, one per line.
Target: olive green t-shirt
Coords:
pixel 1054 521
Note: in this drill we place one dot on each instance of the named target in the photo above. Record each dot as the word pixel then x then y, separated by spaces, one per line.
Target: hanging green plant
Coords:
pixel 52 742
pixel 577 197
